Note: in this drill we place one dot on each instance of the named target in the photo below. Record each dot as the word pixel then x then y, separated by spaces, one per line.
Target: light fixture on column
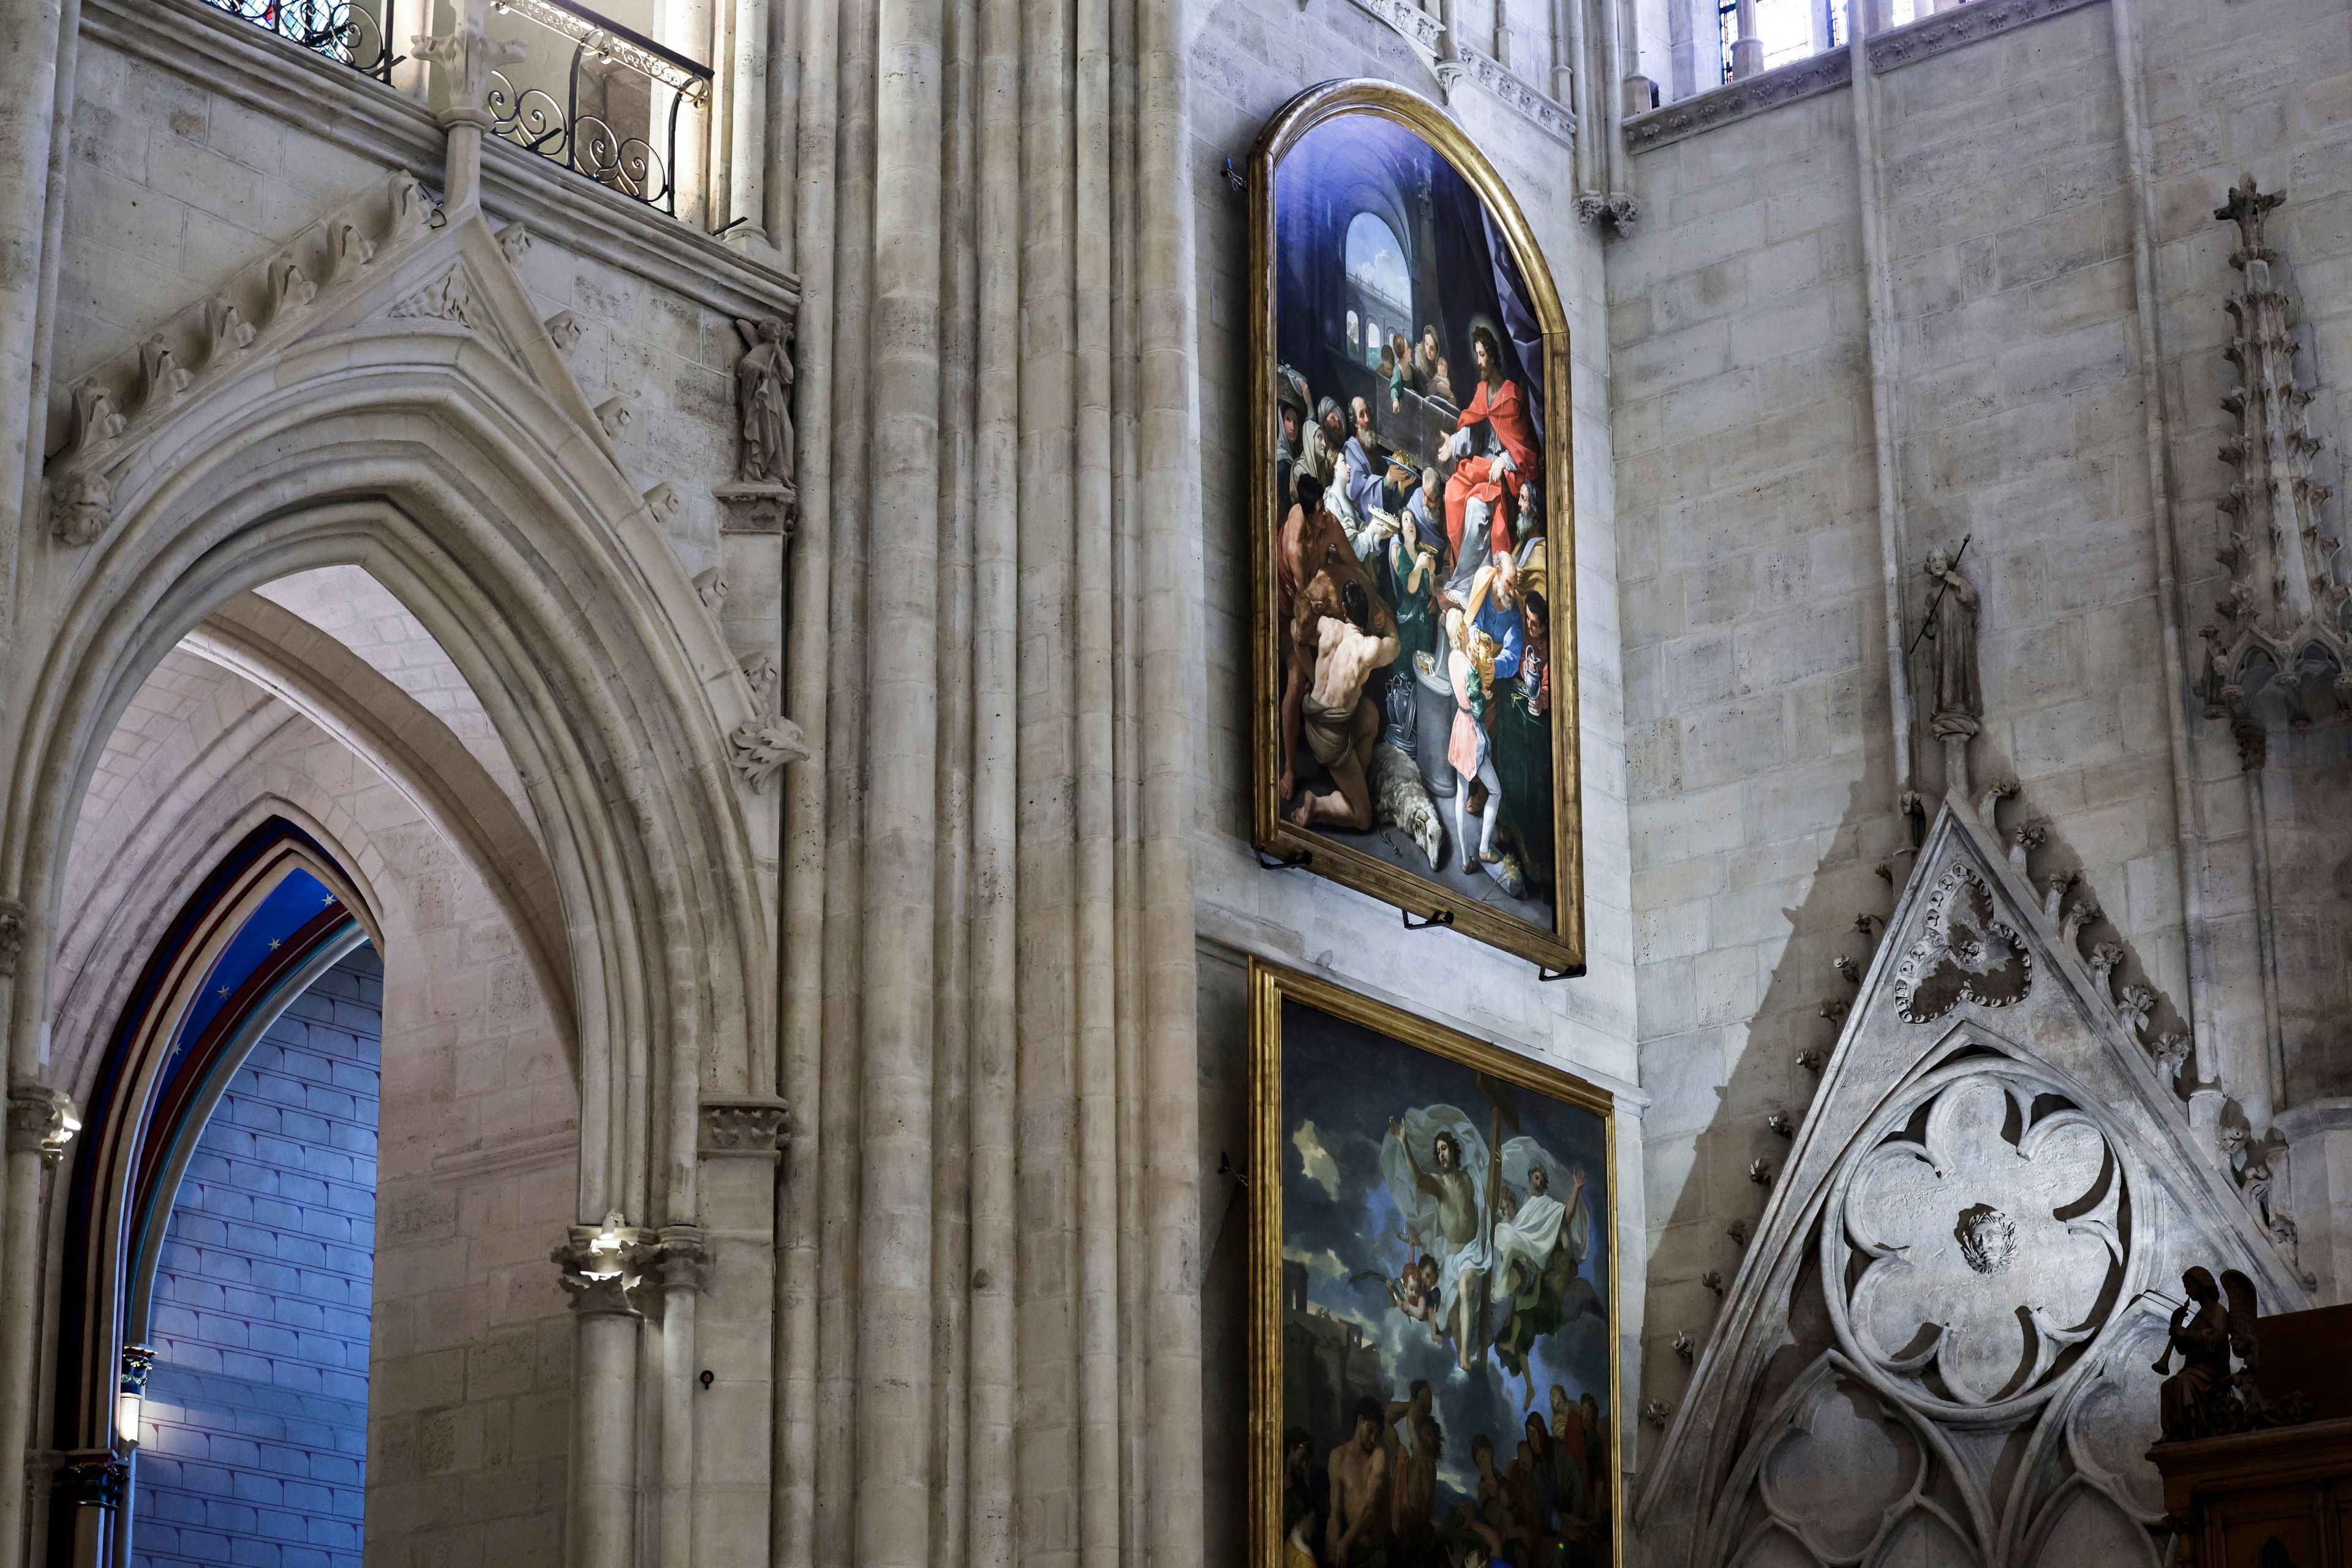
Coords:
pixel 130 1402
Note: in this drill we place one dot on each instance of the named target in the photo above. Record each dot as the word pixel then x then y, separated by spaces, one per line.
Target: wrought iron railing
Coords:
pixel 620 91
pixel 359 36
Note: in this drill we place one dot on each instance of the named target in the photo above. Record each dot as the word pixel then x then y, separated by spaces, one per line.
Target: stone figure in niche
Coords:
pixel 763 380
pixel 1952 623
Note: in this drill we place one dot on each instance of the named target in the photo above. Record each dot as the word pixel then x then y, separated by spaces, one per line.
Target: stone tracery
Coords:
pixel 1984 1254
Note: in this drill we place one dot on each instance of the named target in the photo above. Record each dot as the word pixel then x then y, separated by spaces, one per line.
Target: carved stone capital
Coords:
pixel 683 1259
pixel 92 1478
pixel 604 1265
pixel 744 1129
pixel 41 1120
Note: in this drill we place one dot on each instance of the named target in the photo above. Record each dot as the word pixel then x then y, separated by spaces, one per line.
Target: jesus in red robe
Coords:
pixel 1501 404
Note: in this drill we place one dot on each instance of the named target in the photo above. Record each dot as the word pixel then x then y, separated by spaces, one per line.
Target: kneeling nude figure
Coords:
pixel 1340 727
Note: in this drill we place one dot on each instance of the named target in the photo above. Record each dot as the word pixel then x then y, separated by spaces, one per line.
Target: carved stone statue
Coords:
pixel 2205 1398
pixel 763 380
pixel 1952 623
pixel 2200 1333
pixel 760 498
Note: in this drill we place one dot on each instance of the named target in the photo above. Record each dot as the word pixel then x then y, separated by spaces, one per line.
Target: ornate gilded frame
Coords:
pixel 1562 948
pixel 1270 987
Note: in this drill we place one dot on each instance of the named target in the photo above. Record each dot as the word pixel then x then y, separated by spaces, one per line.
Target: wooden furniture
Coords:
pixel 2280 1497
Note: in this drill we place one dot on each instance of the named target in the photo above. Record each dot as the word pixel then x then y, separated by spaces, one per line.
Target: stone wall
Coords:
pixel 1764 764
pixel 1249 58
pixel 254 1448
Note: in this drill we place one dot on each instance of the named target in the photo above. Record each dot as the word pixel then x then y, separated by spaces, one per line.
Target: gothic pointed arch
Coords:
pixel 408 414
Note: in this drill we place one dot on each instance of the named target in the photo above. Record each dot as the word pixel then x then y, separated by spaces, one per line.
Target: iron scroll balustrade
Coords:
pixel 612 65
pixel 356 35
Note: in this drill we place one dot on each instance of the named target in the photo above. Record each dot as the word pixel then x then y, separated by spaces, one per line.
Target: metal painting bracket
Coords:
pixel 1290 862
pixel 1439 917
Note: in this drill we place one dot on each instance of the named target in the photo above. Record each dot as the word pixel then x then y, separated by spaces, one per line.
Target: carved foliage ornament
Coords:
pixel 1974 1248
pixel 751 1129
pixel 118 407
pixel 1964 953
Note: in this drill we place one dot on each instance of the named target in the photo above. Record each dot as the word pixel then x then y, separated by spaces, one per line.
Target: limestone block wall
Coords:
pixel 1249 58
pixel 2023 415
pixel 253 1447
pixel 672 361
pixel 1756 689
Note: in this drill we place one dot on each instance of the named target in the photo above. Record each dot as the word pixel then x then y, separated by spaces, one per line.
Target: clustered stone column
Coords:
pixel 990 1333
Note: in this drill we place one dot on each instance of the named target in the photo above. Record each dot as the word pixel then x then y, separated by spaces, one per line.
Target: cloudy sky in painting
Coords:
pixel 1341 1085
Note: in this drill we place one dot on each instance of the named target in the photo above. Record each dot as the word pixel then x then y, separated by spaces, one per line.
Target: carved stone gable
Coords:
pixel 365 281
pixel 1936 1348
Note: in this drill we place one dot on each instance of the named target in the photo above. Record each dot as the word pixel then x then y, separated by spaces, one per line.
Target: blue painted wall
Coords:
pixel 255 1446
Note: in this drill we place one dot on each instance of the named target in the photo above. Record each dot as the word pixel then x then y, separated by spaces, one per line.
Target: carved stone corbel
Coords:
pixel 745 1128
pixel 760 749
pixel 81 505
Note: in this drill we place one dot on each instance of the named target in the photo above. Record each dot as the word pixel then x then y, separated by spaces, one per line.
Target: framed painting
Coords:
pixel 1414 577
pixel 1433 1320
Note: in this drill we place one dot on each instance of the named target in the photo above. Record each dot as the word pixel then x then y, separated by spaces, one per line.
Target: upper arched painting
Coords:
pixel 1415 724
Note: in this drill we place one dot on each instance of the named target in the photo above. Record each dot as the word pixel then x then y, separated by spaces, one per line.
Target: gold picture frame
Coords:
pixel 1325 1158
pixel 1366 861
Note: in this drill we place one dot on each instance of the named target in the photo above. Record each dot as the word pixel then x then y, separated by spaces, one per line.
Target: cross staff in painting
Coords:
pixel 1494 1250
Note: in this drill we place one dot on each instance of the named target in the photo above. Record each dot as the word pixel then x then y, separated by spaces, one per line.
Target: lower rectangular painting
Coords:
pixel 1433 1350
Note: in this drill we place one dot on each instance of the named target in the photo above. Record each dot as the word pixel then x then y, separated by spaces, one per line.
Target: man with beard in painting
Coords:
pixel 1494 466
pixel 1358 1535
pixel 1302 1510
pixel 1311 540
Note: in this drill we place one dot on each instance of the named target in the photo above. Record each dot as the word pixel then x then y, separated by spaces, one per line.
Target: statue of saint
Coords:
pixel 1952 623
pixel 764 381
